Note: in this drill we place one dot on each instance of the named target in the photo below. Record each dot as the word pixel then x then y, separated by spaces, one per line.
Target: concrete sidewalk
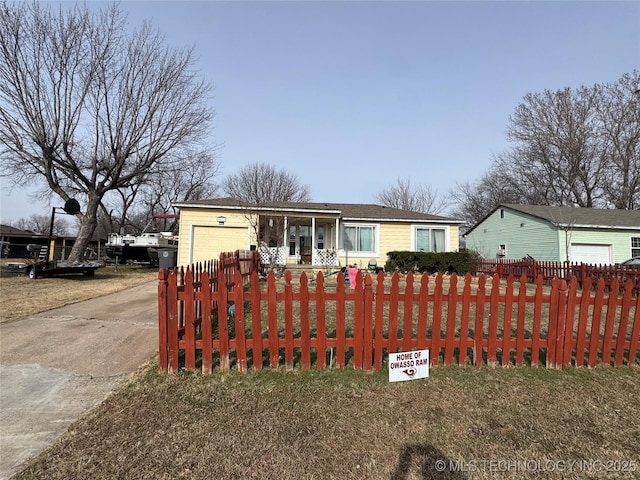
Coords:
pixel 57 365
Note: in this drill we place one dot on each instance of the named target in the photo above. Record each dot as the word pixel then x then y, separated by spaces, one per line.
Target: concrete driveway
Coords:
pixel 57 365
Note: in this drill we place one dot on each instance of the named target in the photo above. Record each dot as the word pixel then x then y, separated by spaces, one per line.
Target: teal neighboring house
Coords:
pixel 587 235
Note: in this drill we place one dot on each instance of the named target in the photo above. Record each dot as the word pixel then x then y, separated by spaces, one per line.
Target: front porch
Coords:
pixel 310 241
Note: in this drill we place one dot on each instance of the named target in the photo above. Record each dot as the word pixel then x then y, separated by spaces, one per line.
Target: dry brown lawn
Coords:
pixel 344 424
pixel 460 423
pixel 22 297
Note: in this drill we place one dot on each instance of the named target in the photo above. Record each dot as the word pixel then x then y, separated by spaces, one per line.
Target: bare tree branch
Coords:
pixel 89 108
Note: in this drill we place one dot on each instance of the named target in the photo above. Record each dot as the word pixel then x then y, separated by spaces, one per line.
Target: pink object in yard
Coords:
pixel 352 272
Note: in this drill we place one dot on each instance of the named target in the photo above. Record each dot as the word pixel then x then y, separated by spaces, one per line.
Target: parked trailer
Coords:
pixel 49 269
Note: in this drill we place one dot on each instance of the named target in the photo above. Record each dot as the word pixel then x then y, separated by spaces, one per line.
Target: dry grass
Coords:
pixel 22 297
pixel 347 424
pixel 504 423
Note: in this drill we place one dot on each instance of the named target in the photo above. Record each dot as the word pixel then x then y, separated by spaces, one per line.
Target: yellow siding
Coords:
pixel 396 237
pixel 454 239
pixel 210 238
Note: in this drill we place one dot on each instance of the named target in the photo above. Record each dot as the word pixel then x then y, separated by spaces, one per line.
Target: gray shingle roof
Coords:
pixel 582 217
pixel 576 217
pixel 348 211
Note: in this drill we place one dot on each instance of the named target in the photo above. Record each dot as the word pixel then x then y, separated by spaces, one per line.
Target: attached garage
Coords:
pixel 208 242
pixel 592 254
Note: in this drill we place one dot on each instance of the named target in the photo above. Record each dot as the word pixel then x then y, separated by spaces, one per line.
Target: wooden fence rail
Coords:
pixel 462 320
pixel 566 270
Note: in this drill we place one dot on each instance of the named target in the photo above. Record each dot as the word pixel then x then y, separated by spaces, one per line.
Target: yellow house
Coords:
pixel 317 234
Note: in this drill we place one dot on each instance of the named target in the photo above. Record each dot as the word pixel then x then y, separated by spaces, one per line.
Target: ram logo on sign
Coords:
pixel 408 365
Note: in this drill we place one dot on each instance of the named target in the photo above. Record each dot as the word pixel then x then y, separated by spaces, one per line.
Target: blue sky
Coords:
pixel 350 96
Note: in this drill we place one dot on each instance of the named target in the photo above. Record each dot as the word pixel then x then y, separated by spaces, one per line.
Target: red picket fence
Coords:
pixel 567 270
pixel 483 320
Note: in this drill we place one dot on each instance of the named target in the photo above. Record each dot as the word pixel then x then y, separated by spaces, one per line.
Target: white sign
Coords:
pixel 408 365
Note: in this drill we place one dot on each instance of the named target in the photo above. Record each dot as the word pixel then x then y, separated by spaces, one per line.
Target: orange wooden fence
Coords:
pixel 462 320
pixel 567 270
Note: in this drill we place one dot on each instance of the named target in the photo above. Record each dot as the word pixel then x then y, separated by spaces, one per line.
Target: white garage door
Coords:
pixel 209 242
pixel 591 254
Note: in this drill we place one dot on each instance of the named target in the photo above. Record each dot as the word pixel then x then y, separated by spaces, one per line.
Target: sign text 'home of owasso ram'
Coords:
pixel 408 365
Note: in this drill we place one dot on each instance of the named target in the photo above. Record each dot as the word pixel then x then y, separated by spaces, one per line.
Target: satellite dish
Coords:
pixel 72 207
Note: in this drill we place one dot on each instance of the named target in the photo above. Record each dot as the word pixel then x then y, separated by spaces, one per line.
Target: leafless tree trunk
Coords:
pixel 90 108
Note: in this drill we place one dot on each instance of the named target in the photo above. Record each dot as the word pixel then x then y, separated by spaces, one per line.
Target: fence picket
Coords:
pixel 506 322
pixel 583 318
pixel 634 345
pixel 520 333
pixel 607 341
pixel 379 321
pixel 207 334
pixel 288 320
pixel 321 324
pixel 272 320
pixel 305 334
pixel 256 323
pixel 493 320
pixel 393 313
pixel 407 324
pixel 450 333
pixel 594 340
pixel 223 320
pixel 238 318
pixel 625 308
pixel 463 349
pixel 478 332
pixel 368 323
pixel 340 321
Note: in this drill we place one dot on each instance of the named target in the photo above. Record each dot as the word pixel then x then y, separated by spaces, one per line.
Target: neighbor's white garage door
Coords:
pixel 208 242
pixel 589 253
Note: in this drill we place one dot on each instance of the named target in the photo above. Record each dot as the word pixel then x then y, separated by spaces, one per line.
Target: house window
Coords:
pixel 360 238
pixel 635 246
pixel 430 239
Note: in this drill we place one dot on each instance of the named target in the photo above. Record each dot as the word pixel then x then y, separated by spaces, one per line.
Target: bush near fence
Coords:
pixel 461 320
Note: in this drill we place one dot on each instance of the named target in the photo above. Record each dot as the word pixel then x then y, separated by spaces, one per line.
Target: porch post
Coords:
pixel 338 239
pixel 285 242
pixel 313 240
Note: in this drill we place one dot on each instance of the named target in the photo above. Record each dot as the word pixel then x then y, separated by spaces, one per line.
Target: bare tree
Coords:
pixel 474 201
pixel 258 183
pixel 576 147
pixel 88 107
pixel 618 113
pixel 195 179
pixel 555 153
pixel 415 198
pixel 41 224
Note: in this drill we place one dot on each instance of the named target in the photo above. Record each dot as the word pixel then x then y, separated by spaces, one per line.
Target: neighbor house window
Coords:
pixel 430 239
pixel 635 246
pixel 360 238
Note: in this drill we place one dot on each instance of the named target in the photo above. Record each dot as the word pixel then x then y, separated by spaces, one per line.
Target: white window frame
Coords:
pixel 632 248
pixel 414 235
pixel 362 253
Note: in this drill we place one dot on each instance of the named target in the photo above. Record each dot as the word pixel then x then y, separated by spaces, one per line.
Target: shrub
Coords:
pixel 429 262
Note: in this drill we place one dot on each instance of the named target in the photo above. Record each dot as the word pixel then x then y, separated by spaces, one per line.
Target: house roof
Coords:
pixel 346 211
pixel 9 231
pixel 576 217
